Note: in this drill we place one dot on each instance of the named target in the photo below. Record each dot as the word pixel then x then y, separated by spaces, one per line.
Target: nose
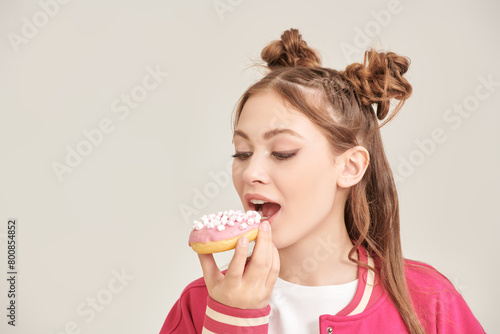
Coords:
pixel 254 170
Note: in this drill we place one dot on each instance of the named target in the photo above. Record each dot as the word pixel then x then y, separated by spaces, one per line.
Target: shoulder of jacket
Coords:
pixel 424 278
pixel 421 271
pixel 190 305
pixel 437 302
pixel 195 286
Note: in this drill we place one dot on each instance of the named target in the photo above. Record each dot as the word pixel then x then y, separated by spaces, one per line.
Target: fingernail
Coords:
pixel 264 226
pixel 243 241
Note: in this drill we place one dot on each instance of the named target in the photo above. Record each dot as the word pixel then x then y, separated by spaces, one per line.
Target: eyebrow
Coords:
pixel 269 134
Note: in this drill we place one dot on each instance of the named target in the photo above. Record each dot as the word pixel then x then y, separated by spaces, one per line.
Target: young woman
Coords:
pixel 328 259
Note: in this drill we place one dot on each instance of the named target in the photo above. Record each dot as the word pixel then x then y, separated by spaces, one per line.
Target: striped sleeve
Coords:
pixel 220 318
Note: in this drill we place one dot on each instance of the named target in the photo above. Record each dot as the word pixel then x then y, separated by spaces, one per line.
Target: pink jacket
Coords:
pixel 440 307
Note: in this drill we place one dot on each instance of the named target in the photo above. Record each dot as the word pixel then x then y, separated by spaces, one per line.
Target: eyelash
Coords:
pixel 278 156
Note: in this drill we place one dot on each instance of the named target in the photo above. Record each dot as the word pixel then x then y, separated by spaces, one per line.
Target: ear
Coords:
pixel 352 165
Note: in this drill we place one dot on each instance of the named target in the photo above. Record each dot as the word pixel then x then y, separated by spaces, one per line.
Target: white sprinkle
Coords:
pixel 220 219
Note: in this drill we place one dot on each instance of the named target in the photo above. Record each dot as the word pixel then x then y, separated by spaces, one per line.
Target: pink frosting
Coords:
pixel 223 225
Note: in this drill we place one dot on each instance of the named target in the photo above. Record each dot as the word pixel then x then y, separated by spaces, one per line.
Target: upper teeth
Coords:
pixel 257 201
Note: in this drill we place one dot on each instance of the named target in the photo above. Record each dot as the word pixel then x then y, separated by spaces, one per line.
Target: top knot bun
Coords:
pixel 377 81
pixel 290 51
pixel 380 79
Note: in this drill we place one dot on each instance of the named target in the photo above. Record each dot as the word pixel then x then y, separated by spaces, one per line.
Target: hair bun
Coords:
pixel 380 79
pixel 290 51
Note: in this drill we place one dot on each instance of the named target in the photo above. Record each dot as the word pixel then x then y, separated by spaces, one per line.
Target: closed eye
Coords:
pixel 277 155
pixel 283 156
pixel 242 155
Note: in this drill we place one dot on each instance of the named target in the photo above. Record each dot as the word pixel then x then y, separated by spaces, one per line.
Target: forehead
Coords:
pixel 266 115
pixel 267 110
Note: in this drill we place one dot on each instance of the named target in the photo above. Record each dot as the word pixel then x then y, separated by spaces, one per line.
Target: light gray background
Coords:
pixel 120 209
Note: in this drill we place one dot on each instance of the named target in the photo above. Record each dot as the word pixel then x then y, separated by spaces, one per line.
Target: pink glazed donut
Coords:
pixel 220 232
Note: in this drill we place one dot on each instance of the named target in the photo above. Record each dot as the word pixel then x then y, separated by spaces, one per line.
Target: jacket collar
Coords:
pixel 367 292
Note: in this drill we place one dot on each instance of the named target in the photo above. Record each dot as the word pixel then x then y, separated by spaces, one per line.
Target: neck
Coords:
pixel 321 257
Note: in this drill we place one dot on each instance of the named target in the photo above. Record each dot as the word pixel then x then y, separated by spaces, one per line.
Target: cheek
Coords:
pixel 324 193
pixel 314 189
pixel 319 193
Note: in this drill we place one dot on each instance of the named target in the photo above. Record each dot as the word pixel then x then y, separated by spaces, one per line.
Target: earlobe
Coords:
pixel 353 164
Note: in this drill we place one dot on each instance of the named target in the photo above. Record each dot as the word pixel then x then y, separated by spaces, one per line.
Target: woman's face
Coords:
pixel 283 158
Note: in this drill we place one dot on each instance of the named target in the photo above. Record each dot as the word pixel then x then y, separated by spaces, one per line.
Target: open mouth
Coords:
pixel 264 208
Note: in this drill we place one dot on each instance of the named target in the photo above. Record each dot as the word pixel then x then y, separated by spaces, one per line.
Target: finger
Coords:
pixel 258 268
pixel 211 272
pixel 237 264
pixel 274 271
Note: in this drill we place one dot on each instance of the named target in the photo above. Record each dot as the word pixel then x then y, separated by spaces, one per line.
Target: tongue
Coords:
pixel 269 209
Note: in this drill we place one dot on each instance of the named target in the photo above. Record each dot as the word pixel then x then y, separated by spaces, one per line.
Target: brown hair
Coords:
pixel 347 117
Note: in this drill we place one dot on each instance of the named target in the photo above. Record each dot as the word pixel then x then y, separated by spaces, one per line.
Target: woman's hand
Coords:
pixel 240 287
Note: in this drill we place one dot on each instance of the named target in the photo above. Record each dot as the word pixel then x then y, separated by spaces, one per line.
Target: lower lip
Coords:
pixel 273 217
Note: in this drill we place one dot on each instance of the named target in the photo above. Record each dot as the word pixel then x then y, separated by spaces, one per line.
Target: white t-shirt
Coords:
pixel 296 308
